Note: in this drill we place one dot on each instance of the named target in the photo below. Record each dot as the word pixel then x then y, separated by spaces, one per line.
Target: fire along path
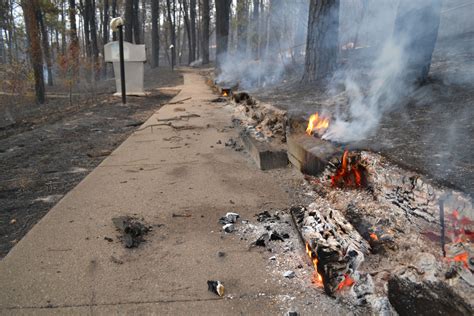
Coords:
pixel 64 262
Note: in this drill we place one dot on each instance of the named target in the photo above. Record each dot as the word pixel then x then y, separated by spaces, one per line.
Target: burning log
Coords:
pixel 334 246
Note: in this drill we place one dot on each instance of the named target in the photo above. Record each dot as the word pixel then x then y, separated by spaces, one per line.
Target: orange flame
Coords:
pixel 224 94
pixel 316 277
pixel 348 281
pixel 316 123
pixel 463 257
pixel 350 176
pixel 374 237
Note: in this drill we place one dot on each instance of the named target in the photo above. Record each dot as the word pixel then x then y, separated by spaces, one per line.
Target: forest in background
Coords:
pixel 60 42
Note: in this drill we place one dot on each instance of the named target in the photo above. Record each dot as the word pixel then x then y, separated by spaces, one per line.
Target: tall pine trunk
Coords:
pixel 192 12
pixel 205 31
pixel 242 25
pixel 46 47
pixel 155 33
pixel 95 47
pixel 129 20
pixel 74 40
pixel 416 29
pixel 255 29
pixel 322 40
pixel 105 36
pixel 172 31
pixel 30 12
pixel 136 22
pixel 187 24
pixel 114 14
pixel 222 30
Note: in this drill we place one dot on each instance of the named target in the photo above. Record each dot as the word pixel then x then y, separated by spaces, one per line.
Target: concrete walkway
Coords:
pixel 65 266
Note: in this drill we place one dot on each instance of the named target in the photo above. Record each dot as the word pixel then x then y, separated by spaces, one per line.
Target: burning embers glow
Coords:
pixel 350 172
pixel 316 278
pixel 317 124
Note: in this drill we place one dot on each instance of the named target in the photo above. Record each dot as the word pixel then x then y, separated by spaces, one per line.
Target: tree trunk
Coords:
pixel 2 50
pixel 187 24
pixel 192 11
pixel 322 40
pixel 222 30
pixel 46 48
pixel 255 28
pixel 136 22
pixel 172 32
pixel 205 31
pixel 86 11
pixel 242 23
pixel 114 14
pixel 155 33
pixel 95 47
pixel 63 29
pixel 105 36
pixel 74 45
pixel 30 9
pixel 416 29
pixel 129 21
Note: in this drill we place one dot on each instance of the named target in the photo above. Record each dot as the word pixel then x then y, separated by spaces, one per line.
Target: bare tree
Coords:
pixel 172 30
pixel 93 30
pixel 187 24
pixel 114 14
pixel 322 40
pixel 128 21
pixel 46 47
pixel 416 28
pixel 136 22
pixel 242 25
pixel 155 33
pixel 205 31
pixel 255 28
pixel 192 13
pixel 105 29
pixel 30 12
pixel 222 29
pixel 74 40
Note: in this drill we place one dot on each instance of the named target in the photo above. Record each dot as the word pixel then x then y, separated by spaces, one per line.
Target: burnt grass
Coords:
pixel 46 150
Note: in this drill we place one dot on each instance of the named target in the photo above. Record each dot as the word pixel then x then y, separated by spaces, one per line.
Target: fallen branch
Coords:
pixel 178 118
pixel 179 101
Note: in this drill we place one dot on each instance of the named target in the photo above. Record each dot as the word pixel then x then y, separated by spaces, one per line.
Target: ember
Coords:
pixel 463 257
pixel 374 237
pixel 316 277
pixel 350 172
pixel 348 281
pixel 226 92
pixel 317 124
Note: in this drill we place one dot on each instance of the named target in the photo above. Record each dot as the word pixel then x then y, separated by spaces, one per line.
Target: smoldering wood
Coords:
pixel 394 224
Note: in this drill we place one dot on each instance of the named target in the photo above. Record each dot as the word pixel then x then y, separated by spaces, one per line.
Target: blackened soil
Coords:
pixel 49 149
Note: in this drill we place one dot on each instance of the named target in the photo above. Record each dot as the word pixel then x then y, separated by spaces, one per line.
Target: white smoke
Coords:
pixel 387 87
pixel 275 55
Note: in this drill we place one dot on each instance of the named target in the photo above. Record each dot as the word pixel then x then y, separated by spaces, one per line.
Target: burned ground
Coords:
pixel 46 150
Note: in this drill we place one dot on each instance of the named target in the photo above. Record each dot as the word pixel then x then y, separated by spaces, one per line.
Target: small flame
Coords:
pixel 316 123
pixel 316 277
pixel 349 176
pixel 374 237
pixel 348 281
pixel 224 93
pixel 463 257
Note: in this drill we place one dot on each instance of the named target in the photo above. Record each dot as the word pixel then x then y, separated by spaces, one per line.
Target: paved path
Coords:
pixel 64 265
